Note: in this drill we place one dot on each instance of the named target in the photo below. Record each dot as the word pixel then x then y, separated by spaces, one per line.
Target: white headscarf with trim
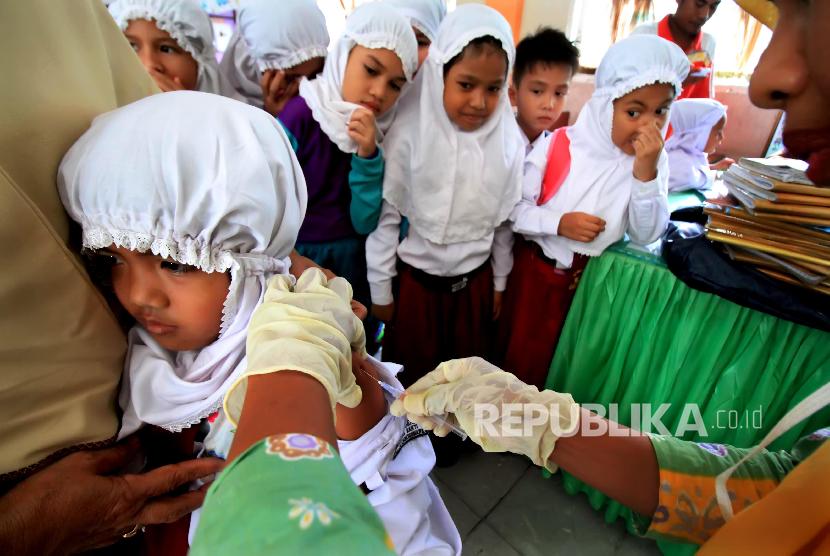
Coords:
pixel 454 186
pixel 272 34
pixel 601 176
pixel 692 120
pixel 205 181
pixel 373 25
pixel 424 15
pixel 189 26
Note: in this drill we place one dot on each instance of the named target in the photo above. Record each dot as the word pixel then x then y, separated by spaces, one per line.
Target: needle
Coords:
pixel 397 392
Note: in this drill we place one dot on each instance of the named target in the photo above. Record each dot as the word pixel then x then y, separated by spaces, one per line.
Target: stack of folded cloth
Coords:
pixel 776 220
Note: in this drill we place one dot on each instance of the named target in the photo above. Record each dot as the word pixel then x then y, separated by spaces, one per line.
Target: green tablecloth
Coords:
pixel 637 334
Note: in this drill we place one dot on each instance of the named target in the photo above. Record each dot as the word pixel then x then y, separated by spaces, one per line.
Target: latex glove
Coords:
pixel 309 328
pixel 456 387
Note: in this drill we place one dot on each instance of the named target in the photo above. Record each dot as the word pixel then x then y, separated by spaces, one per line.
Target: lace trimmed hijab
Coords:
pixel 202 180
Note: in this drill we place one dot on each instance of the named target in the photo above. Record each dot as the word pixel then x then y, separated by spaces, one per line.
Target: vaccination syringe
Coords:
pixel 397 392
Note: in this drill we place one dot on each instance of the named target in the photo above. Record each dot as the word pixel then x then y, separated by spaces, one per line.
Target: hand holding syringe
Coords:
pixel 398 392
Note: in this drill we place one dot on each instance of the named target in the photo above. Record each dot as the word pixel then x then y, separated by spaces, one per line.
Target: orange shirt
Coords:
pixel 699 59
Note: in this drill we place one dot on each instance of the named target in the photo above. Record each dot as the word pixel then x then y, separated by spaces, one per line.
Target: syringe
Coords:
pixel 398 392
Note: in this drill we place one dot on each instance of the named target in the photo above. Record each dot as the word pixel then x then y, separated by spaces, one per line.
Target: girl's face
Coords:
pixel 715 136
pixel 423 46
pixel 179 305
pixel 643 107
pixel 473 87
pixel 161 54
pixel 373 79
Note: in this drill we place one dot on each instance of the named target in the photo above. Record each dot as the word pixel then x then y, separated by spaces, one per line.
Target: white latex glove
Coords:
pixel 456 387
pixel 309 328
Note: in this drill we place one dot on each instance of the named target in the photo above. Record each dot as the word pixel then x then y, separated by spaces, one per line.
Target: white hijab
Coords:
pixel 373 25
pixel 272 34
pixel 692 120
pixel 189 26
pixel 424 15
pixel 208 182
pixel 601 175
pixel 454 186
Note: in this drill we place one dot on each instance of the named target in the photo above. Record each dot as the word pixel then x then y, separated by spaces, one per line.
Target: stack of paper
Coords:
pixel 780 222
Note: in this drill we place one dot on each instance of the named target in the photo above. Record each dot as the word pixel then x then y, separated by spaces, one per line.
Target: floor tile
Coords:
pixel 636 546
pixel 481 479
pixel 484 541
pixel 464 518
pixel 537 517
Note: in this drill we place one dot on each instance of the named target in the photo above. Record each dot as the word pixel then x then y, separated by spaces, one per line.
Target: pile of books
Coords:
pixel 778 222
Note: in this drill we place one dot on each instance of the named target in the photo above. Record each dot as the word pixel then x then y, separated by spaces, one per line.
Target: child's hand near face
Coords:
pixel 363 131
pixel 648 144
pixel 165 82
pixel 580 226
pixel 276 92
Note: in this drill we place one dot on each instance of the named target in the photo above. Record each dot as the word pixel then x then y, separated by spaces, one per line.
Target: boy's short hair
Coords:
pixel 546 46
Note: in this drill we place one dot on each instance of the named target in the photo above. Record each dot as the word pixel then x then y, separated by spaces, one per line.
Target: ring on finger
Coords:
pixel 134 531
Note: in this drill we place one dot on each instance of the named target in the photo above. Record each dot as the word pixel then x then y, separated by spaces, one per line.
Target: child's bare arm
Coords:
pixel 300 264
pixel 281 403
pixel 355 422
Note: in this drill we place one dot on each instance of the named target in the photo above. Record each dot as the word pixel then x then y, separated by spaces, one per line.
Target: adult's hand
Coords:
pixel 309 328
pixel 480 397
pixel 84 501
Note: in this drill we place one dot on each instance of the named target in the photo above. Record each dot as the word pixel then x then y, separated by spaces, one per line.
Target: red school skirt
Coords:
pixel 437 319
pixel 535 305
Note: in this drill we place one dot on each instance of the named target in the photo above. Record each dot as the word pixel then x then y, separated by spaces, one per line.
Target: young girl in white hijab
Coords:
pixel 425 16
pixel 188 242
pixel 275 45
pixel 337 123
pixel 174 41
pixel 697 130
pixel 453 171
pixel 585 187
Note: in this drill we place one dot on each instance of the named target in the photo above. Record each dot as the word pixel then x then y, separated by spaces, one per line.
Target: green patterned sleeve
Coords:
pixel 289 494
pixel 687 509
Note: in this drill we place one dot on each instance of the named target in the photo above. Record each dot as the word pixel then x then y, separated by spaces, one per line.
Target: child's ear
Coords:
pixel 511 93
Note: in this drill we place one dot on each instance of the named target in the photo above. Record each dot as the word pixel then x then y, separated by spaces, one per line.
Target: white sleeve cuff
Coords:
pixel 381 292
pixel 646 189
pixel 500 283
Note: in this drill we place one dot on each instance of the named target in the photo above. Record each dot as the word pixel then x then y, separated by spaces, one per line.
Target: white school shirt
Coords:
pixel 383 247
pixel 530 145
pixel 647 211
